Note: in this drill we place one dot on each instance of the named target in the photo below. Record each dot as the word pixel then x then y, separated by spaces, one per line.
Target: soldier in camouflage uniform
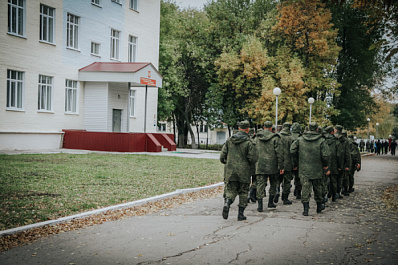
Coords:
pixel 238 154
pixel 346 177
pixel 269 164
pixel 335 160
pixel 253 186
pixel 286 142
pixel 345 157
pixel 296 133
pixel 355 164
pixel 312 157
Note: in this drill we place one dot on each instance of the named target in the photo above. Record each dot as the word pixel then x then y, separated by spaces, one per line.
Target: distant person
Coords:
pixel 386 145
pixel 393 146
pixel 378 146
pixel 239 154
pixel 361 145
pixel 312 157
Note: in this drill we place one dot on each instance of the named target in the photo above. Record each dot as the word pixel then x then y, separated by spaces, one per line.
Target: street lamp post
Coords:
pixel 377 130
pixel 368 126
pixel 311 100
pixel 277 91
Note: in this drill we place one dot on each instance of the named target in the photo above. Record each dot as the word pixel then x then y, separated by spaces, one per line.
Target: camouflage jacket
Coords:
pixel 335 153
pixel 286 141
pixel 310 153
pixel 345 156
pixel 270 159
pixel 355 154
pixel 239 154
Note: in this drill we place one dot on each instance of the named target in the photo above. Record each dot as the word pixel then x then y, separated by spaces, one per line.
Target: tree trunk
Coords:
pixel 188 124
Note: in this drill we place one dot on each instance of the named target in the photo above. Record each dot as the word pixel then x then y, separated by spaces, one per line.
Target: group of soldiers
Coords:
pixel 322 160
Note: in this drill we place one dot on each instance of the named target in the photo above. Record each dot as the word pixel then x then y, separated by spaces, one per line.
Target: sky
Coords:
pixel 191 3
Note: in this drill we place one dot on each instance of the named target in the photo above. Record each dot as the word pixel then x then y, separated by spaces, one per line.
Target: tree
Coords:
pixel 359 67
pixel 183 65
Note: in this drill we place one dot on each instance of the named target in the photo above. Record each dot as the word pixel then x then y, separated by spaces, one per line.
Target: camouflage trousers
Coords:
pixel 340 179
pixel 333 183
pixel 287 182
pixel 351 179
pixel 311 184
pixel 262 183
pixel 325 184
pixel 297 182
pixel 236 188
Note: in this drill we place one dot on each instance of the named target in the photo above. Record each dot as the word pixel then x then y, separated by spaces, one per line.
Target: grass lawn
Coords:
pixel 35 188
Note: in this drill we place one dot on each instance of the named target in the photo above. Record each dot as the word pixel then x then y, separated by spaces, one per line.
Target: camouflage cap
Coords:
pixel 313 126
pixel 296 127
pixel 339 128
pixel 287 125
pixel 267 124
pixel 244 125
pixel 329 129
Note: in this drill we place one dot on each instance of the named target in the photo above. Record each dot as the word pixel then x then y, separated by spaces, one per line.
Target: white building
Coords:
pixel 207 135
pixel 76 64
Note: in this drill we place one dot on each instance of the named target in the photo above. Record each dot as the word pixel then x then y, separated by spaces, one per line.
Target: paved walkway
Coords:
pixel 355 230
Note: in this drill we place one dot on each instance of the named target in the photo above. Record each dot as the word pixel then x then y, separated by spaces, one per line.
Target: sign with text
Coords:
pixel 147 81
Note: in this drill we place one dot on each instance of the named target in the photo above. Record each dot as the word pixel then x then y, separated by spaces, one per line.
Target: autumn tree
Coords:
pixel 306 28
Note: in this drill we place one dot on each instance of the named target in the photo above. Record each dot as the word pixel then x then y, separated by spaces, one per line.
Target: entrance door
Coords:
pixel 220 137
pixel 116 120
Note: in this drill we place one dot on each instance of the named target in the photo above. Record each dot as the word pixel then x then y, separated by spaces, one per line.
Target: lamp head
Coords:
pixel 368 119
pixel 311 100
pixel 277 91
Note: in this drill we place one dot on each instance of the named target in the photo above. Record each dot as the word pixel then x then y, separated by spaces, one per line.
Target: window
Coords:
pixel 162 127
pixel 203 128
pixel 117 1
pixel 16 17
pixel 70 96
pixel 115 44
pixel 45 92
pixel 96 2
pixel 15 82
pixel 47 21
pixel 132 103
pixel 72 31
pixel 134 4
pixel 132 49
pixel 95 48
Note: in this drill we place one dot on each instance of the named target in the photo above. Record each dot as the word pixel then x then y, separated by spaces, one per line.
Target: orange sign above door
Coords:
pixel 147 81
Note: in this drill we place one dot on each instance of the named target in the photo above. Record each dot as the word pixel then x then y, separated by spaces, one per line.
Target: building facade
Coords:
pixel 60 69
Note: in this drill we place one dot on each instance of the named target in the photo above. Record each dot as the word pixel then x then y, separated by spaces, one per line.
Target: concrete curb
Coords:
pixel 110 208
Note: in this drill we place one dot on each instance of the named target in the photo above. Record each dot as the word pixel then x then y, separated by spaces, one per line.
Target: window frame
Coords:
pixel 18 86
pixel 74 27
pixel 136 2
pixel 50 32
pixel 45 88
pixel 19 29
pixel 132 49
pixel 99 49
pixel 71 89
pixel 132 99
pixel 96 2
pixel 117 2
pixel 115 45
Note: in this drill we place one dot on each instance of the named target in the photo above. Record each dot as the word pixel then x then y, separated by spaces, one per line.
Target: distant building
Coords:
pixel 77 64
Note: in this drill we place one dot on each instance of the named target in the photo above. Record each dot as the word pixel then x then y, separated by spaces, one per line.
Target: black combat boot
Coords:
pixel 225 209
pixel 276 198
pixel 351 189
pixel 298 195
pixel 306 208
pixel 271 202
pixel 260 205
pixel 285 199
pixel 345 192
pixel 334 197
pixel 241 217
pixel 252 195
pixel 319 207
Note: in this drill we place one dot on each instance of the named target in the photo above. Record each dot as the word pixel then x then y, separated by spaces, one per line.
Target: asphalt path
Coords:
pixel 358 229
